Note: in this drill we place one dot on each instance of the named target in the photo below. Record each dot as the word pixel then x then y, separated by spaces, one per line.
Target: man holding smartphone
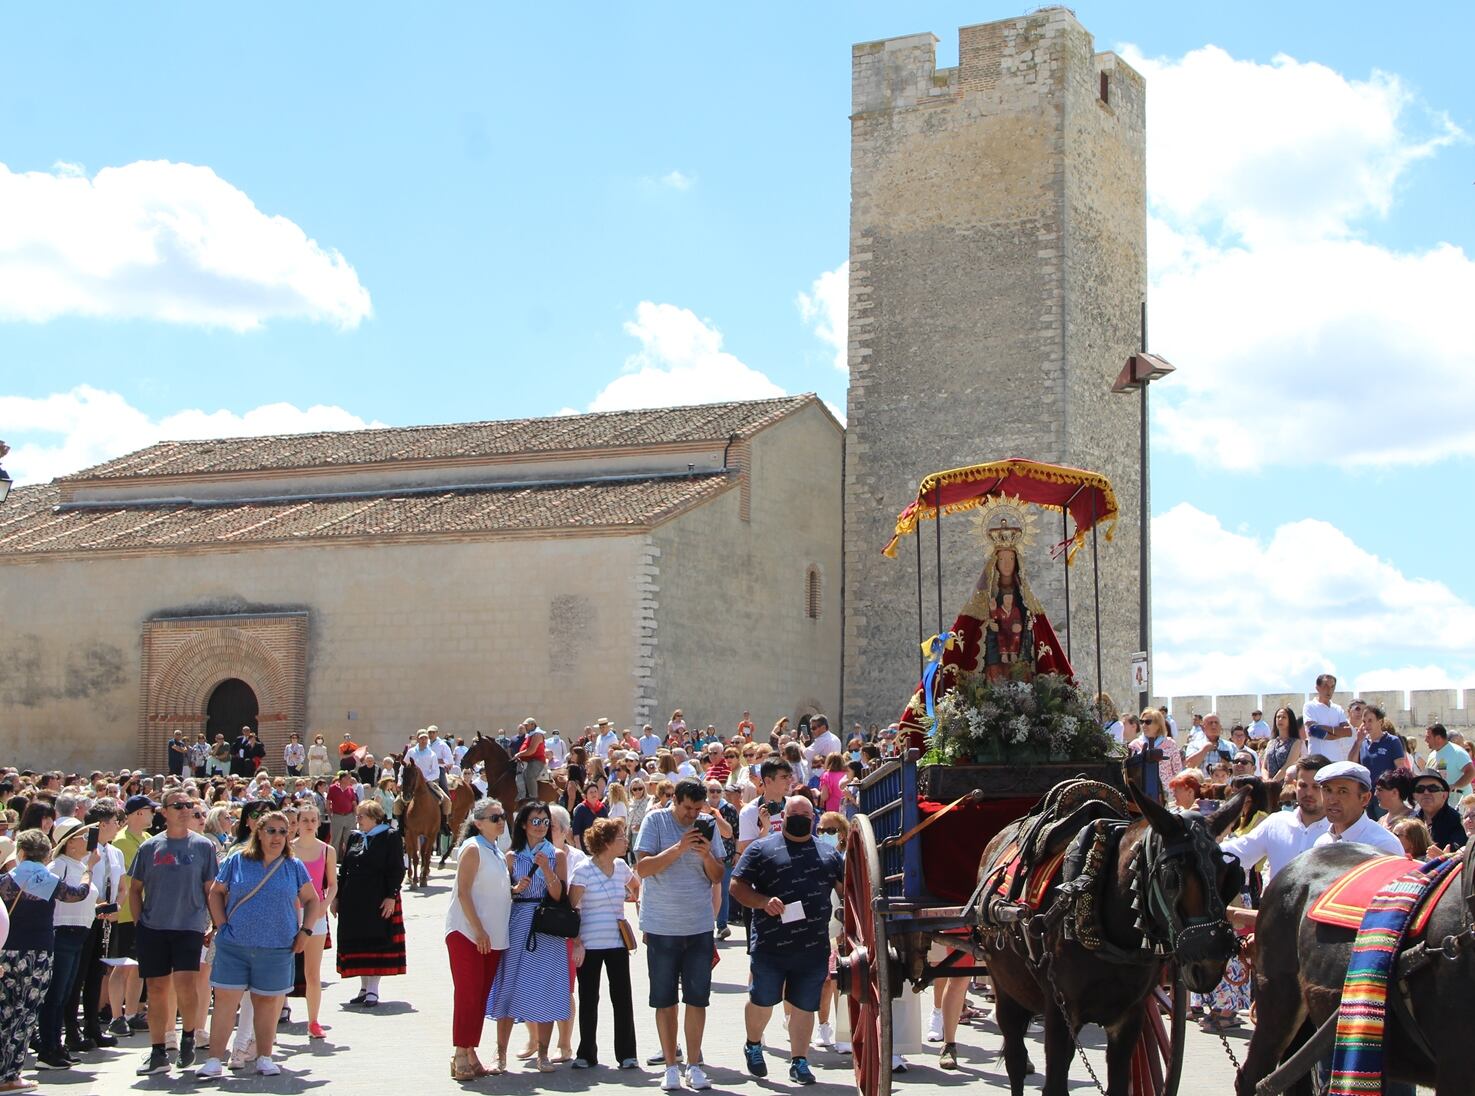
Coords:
pixel 765 815
pixel 679 858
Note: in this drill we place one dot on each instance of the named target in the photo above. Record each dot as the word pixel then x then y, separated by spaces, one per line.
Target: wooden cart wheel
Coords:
pixel 864 971
pixel 1157 1062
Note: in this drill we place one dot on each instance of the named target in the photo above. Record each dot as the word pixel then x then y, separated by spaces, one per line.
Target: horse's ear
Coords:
pixel 1227 815
pixel 1158 816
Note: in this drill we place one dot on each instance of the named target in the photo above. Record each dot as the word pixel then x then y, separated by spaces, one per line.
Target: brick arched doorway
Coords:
pixel 187 661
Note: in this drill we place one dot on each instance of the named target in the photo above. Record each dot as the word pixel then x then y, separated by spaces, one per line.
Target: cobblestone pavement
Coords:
pixel 403 1047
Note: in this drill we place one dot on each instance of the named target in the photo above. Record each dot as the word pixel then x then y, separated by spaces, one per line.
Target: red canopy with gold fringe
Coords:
pixel 1086 495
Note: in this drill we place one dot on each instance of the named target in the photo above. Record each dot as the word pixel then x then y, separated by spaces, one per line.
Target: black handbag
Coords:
pixel 553 917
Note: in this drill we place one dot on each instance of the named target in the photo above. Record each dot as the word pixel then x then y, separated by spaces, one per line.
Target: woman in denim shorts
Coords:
pixel 253 905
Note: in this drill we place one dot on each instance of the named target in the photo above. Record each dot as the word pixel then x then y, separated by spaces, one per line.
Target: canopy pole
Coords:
pixel 1096 582
pixel 937 504
pixel 1065 564
pixel 921 639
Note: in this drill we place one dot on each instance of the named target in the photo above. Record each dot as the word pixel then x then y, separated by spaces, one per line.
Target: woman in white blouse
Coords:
pixel 476 932
pixel 599 889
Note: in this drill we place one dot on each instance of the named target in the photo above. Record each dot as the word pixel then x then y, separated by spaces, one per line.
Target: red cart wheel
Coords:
pixel 1157 1063
pixel 864 970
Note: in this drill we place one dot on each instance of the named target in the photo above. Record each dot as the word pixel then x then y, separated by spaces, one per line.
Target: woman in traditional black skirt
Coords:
pixel 371 925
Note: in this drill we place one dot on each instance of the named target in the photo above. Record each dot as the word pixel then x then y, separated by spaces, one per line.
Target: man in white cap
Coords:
pixel 606 738
pixel 1346 790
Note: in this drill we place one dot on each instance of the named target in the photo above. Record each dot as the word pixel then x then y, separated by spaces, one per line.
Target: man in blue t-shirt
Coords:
pixel 786 879
pixel 1380 752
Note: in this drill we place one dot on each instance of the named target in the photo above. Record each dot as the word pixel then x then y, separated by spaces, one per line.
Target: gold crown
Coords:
pixel 1004 522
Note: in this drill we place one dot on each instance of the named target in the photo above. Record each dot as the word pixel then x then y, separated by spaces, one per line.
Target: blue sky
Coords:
pixel 492 211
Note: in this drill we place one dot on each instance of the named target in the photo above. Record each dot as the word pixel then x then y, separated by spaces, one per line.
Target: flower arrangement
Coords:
pixel 1017 721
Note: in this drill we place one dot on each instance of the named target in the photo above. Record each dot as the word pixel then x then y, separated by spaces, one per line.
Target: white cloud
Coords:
pixel 161 241
pixel 1285 150
pixel 680 361
pixel 827 308
pixel 68 431
pixel 1231 611
pixel 1261 178
pixel 678 180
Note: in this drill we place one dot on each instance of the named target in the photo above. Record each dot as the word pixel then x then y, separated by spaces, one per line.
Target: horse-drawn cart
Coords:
pixel 903 894
pixel 915 868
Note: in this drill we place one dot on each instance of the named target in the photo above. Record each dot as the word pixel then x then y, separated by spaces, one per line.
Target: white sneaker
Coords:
pixel 898 1064
pixel 672 1081
pixel 843 1048
pixel 212 1070
pixel 825 1035
pixel 267 1068
pixel 696 1078
pixel 934 1027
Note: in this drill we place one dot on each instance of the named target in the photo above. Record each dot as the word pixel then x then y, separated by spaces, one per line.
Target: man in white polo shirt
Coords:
pixel 825 742
pixel 1346 790
pixel 1284 835
pixel 1328 730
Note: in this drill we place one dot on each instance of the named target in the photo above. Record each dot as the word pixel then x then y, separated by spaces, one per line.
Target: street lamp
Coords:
pixel 1141 370
pixel 5 480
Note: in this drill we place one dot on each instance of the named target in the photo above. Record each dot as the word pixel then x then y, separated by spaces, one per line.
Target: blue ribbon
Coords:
pixel 933 649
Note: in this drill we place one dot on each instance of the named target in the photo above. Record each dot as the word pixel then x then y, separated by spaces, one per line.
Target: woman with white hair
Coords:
pixel 476 931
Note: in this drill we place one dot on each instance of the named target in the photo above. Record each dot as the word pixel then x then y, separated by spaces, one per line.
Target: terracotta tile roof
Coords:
pixel 30 524
pixel 470 440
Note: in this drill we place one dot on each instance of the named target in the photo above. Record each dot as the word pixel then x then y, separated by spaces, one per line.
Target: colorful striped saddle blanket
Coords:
pixel 1344 903
pixel 1357 1054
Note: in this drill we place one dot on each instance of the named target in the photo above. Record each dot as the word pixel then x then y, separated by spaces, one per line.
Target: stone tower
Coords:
pixel 998 262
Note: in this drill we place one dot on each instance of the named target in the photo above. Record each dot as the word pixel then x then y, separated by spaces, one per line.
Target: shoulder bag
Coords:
pixel 553 917
pixel 265 879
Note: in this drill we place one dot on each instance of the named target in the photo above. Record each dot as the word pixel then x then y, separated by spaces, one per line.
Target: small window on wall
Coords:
pixel 812 591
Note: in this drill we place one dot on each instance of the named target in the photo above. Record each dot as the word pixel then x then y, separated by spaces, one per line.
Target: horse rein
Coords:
pixel 1160 885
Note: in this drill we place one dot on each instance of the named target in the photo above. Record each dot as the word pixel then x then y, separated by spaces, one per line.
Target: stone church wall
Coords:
pixel 471 635
pixel 731 625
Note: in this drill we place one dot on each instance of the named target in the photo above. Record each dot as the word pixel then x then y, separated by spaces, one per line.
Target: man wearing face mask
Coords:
pixel 787 879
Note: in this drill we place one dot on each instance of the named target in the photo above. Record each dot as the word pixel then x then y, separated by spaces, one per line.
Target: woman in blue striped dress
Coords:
pixel 532 983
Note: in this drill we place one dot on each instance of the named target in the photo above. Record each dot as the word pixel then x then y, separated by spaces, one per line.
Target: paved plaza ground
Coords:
pixel 403 1047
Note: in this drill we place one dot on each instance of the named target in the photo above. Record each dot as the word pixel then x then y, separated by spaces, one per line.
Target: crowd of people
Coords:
pixel 191 907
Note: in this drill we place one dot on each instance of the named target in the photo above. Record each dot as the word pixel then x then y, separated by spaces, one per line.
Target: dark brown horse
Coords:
pixel 502 787
pixel 1301 965
pixel 1173 863
pixel 499 771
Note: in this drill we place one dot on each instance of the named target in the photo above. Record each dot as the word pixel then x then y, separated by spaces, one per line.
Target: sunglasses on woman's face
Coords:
pixel 274 831
pixel 538 822
pixel 832 831
pixel 493 818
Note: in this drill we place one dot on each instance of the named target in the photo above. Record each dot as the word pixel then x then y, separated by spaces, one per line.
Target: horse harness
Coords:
pixel 1156 868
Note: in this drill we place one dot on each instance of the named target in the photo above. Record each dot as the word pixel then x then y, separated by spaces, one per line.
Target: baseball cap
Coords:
pixel 138 803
